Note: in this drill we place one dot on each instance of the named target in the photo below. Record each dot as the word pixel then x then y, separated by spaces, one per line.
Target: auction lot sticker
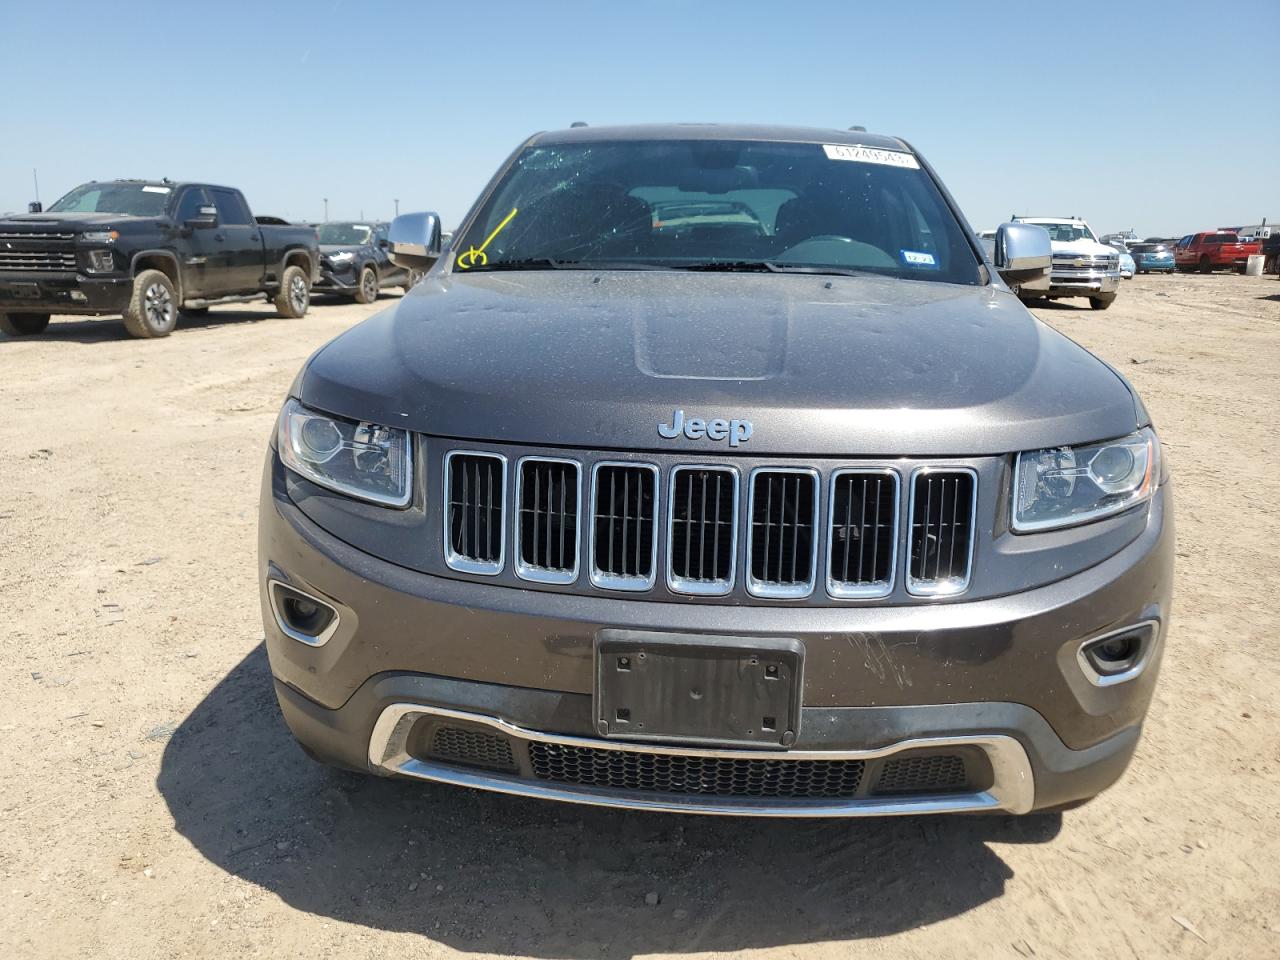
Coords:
pixel 860 154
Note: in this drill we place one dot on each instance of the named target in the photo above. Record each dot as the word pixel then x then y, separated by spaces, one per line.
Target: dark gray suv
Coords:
pixel 718 469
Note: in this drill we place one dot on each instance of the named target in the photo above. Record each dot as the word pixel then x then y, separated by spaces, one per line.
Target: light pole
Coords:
pixel 326 209
pixel 397 208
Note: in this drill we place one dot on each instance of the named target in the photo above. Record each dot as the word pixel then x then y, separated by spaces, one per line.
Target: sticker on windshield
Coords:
pixel 150 189
pixel 861 154
pixel 916 258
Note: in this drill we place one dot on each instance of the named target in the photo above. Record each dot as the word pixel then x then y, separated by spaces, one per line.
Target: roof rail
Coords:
pixel 858 129
pixel 577 123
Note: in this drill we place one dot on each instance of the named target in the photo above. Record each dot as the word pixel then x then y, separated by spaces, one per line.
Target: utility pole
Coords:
pixel 397 208
pixel 36 180
pixel 326 209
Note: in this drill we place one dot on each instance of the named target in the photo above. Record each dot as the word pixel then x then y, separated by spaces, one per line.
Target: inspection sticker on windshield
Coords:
pixel 860 154
pixel 151 189
pixel 914 258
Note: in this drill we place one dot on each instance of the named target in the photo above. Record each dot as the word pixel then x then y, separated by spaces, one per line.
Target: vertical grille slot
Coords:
pixel 862 535
pixel 942 511
pixel 475 489
pixel 702 523
pixel 782 537
pixel 623 527
pixel 547 520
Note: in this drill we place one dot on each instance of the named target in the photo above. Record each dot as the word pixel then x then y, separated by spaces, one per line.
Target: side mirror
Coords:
pixel 205 218
pixel 384 243
pixel 414 240
pixel 1023 256
pixel 35 206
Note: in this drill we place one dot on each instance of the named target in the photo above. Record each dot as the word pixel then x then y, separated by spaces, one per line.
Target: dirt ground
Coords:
pixel 152 803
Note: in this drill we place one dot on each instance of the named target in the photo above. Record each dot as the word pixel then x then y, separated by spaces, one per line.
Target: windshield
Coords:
pixel 345 234
pixel 1065 232
pixel 718 205
pixel 1149 248
pixel 126 199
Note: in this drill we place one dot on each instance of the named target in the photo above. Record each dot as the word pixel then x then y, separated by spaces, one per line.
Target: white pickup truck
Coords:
pixel 1082 266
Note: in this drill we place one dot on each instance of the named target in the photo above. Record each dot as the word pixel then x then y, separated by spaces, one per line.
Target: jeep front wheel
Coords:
pixel 367 288
pixel 23 324
pixel 294 295
pixel 153 306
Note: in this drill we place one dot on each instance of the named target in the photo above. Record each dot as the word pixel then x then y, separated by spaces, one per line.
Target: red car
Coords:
pixel 1213 251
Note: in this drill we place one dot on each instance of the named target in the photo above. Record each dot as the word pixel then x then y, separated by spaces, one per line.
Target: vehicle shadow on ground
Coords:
pixel 490 874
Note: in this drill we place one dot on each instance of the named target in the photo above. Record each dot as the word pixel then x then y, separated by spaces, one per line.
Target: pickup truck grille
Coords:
pixel 43 252
pixel 840 532
pixel 1077 261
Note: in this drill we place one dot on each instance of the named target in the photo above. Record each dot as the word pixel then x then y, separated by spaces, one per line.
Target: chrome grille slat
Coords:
pixel 943 508
pixel 475 485
pixel 863 510
pixel 694 489
pixel 782 533
pixel 624 541
pixel 548 496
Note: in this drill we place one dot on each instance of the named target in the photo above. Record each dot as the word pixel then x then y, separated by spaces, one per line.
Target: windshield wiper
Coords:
pixel 770 266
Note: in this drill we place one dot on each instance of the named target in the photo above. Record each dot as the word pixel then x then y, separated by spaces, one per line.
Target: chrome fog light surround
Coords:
pixel 281 594
pixel 1093 659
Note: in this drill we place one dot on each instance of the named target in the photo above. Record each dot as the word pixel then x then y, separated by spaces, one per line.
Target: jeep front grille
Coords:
pixel 943 503
pixel 547 520
pixel 623 525
pixel 782 537
pixel 862 534
pixel 702 525
pixel 475 492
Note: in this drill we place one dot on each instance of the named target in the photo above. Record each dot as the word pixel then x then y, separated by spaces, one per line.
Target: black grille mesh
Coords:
pixel 782 529
pixel 941 527
pixel 712 776
pixel 863 517
pixel 475 507
pixel 548 515
pixel 472 747
pixel 702 516
pixel 624 521
pixel 922 774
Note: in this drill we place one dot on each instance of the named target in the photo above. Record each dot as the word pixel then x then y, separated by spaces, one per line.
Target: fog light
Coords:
pixel 301 616
pixel 1118 656
pixel 79 296
pixel 101 261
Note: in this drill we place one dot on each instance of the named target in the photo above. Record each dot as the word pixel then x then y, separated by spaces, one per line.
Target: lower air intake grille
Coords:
pixel 704 530
pixel 472 747
pixel 475 491
pixel 922 775
pixel 547 522
pixel 942 504
pixel 623 522
pixel 784 507
pixel 678 773
pixel 863 534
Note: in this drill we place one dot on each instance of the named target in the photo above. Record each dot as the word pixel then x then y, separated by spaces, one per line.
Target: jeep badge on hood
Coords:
pixel 735 431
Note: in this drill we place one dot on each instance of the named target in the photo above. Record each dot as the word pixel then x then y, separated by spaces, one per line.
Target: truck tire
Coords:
pixel 411 279
pixel 367 288
pixel 1205 265
pixel 153 306
pixel 1102 302
pixel 23 324
pixel 294 295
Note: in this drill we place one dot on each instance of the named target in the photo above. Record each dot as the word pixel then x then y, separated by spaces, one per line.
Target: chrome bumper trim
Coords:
pixel 1012 790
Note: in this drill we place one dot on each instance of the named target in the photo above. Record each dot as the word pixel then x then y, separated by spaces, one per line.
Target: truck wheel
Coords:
pixel 153 306
pixel 295 293
pixel 412 278
pixel 1205 265
pixel 367 288
pixel 1102 302
pixel 23 324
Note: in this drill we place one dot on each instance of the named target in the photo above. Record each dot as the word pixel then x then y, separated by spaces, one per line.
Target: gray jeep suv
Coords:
pixel 717 469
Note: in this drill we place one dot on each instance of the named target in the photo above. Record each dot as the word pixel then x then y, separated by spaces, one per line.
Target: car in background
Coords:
pixel 1127 265
pixel 1152 257
pixel 1214 250
pixel 1082 266
pixel 354 261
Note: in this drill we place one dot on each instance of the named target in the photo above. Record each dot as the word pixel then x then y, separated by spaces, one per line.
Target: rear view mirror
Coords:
pixel 415 240
pixel 1023 256
pixel 206 217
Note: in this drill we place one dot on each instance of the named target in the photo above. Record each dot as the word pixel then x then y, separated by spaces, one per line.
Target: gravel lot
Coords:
pixel 153 805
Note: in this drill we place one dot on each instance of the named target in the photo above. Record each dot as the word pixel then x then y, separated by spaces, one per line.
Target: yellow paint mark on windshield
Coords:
pixel 476 255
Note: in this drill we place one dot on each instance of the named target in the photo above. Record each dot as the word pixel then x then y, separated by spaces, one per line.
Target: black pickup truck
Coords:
pixel 146 250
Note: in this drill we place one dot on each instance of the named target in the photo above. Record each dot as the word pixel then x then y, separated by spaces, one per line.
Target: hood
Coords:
pixel 35 222
pixel 841 366
pixel 1082 247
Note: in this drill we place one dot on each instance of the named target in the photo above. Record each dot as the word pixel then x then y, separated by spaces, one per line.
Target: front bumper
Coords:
pixel 998 680
pixel 1081 283
pixel 63 293
pixel 344 279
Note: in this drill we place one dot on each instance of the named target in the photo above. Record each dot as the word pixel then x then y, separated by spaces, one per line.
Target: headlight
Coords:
pixel 362 460
pixel 342 257
pixel 99 236
pixel 101 261
pixel 1070 485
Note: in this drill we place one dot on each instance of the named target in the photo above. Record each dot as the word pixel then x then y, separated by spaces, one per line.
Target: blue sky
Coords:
pixel 1126 114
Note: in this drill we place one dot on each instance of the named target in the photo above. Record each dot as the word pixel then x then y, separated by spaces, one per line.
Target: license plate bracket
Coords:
pixel 695 688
